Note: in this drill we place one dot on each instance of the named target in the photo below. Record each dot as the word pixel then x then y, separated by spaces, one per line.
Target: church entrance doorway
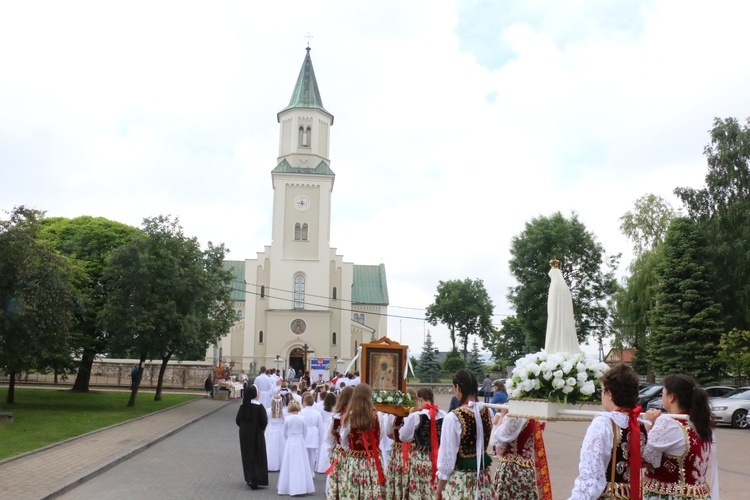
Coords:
pixel 296 361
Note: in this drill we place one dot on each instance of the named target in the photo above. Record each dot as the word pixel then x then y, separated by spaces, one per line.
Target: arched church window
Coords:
pixel 334 293
pixel 333 338
pixel 239 313
pixel 301 137
pixel 297 231
pixel 304 231
pixel 299 292
pixel 362 319
pixel 260 337
pixel 262 291
pixel 306 138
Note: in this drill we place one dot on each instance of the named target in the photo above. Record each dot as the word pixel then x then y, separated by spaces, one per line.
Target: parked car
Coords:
pixel 719 391
pixel 649 394
pixel 714 391
pixel 733 408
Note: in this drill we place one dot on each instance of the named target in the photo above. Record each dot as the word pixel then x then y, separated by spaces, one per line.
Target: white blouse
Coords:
pixel 596 451
pixel 667 437
pixel 507 432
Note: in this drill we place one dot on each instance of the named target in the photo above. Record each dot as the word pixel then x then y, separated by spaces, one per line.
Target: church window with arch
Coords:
pixel 333 338
pixel 262 291
pixel 299 292
pixel 333 295
pixel 304 231
pixel 260 337
pixel 304 136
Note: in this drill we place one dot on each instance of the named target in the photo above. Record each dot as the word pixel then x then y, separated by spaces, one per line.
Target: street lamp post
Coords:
pixel 304 358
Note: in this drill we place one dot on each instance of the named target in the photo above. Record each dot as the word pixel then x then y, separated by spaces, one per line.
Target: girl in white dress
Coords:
pixel 323 455
pixel 275 441
pixel 295 477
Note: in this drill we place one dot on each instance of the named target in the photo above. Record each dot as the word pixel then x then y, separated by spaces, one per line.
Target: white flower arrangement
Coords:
pixel 396 398
pixel 559 377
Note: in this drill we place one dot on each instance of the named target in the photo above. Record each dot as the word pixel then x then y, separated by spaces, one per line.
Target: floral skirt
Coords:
pixel 647 495
pixel 397 479
pixel 334 478
pixel 515 482
pixel 359 480
pixel 463 484
pixel 420 474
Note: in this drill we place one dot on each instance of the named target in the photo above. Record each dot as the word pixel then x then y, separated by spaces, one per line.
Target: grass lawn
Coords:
pixel 42 417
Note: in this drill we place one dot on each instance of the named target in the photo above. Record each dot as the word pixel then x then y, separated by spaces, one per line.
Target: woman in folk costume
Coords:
pixel 610 464
pixel 275 441
pixel 681 454
pixel 362 476
pixel 463 463
pixel 295 476
pixel 333 441
pixel 252 420
pixel 422 428
pixel 522 472
pixel 397 463
pixel 324 453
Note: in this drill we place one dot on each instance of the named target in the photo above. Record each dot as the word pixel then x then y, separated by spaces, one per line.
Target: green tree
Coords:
pixel 645 226
pixel 686 324
pixel 36 297
pixel 734 353
pixel 428 368
pixel 166 296
pixel 584 266
pixel 87 242
pixel 465 308
pixel 722 208
pixel 508 344
pixel 453 362
pixel 475 363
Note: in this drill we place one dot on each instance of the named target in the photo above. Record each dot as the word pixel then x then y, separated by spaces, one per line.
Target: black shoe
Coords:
pixel 253 486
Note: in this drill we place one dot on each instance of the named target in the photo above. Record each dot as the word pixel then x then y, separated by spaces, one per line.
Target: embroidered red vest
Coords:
pixel 521 451
pixel 336 429
pixel 619 486
pixel 357 437
pixel 684 475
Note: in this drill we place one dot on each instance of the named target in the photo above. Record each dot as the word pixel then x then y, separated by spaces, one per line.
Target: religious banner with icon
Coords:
pixel 383 365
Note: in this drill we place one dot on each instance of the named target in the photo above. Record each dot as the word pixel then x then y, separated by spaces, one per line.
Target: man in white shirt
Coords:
pixel 264 385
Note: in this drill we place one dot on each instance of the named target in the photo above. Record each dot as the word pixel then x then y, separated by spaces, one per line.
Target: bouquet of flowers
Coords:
pixel 395 398
pixel 223 370
pixel 560 377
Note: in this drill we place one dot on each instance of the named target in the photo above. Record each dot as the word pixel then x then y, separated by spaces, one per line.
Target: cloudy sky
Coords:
pixel 455 122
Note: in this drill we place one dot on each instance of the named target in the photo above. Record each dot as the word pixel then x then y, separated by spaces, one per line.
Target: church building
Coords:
pixel 298 302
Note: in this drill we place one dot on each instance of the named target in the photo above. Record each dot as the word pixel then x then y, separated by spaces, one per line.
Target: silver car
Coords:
pixel 732 409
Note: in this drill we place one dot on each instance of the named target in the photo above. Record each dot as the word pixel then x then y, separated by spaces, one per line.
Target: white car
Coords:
pixel 733 408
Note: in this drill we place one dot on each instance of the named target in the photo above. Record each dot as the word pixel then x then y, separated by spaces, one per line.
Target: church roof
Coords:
pixel 306 93
pixel 237 267
pixel 285 168
pixel 370 286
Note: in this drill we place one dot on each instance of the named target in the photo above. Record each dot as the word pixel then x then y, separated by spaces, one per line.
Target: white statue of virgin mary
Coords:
pixel 561 326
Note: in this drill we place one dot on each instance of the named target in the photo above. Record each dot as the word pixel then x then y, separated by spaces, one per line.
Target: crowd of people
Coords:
pixel 334 430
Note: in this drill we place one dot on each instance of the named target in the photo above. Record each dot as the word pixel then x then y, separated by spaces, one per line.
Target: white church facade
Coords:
pixel 298 302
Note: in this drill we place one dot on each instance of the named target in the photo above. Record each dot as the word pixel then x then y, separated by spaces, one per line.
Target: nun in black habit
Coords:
pixel 252 419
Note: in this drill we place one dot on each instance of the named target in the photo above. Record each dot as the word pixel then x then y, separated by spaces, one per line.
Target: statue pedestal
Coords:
pixel 541 409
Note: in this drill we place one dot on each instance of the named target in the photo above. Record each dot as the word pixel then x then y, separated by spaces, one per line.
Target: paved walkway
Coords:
pixel 50 471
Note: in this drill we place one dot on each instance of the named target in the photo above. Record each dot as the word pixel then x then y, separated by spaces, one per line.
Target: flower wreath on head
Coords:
pixel 560 377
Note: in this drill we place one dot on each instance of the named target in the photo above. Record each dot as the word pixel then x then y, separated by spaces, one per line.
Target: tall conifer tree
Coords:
pixel 686 321
pixel 428 368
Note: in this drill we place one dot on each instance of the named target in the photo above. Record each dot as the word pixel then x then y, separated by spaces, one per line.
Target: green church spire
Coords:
pixel 306 93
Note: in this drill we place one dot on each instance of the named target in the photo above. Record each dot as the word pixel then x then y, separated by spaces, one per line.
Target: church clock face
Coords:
pixel 302 203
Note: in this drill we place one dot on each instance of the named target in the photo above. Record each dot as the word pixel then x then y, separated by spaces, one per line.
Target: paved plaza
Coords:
pixel 192 451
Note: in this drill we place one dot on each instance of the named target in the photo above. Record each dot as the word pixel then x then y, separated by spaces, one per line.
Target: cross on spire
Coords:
pixel 309 37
